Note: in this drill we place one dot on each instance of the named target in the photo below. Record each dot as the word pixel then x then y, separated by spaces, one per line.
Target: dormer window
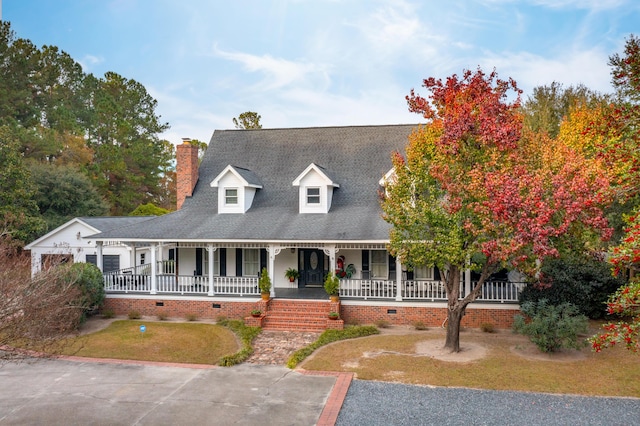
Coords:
pixel 313 195
pixel 231 196
pixel 236 188
pixel 316 189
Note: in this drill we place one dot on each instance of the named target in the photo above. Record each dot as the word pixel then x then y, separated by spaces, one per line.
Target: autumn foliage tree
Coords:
pixel 475 190
pixel 625 303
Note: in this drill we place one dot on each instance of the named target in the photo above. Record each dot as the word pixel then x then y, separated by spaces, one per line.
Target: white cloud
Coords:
pixel 278 72
pixel 588 67
pixel 89 61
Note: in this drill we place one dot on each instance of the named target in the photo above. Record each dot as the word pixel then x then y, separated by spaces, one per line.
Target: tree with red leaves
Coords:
pixel 476 190
pixel 625 259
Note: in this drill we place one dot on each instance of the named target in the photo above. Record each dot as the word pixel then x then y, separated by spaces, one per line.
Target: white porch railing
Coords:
pixel 493 291
pixel 415 290
pixel 125 281
pixel 501 291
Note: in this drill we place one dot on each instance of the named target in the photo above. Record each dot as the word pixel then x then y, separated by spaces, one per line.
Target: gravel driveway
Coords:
pixel 379 403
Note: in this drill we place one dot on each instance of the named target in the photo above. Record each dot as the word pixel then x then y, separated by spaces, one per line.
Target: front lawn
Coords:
pixel 161 341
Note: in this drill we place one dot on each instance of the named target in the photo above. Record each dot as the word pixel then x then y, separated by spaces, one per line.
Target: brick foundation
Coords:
pixel 395 314
pixel 209 309
pixel 431 316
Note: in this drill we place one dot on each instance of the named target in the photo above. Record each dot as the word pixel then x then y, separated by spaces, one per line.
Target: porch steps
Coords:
pixel 300 315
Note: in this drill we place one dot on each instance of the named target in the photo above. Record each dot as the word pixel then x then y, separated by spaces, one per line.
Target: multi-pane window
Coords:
pixel 250 262
pixel 231 196
pixel 379 264
pixel 423 273
pixel 216 262
pixel 313 195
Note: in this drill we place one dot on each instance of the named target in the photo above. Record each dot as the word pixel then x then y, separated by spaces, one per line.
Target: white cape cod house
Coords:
pixel 303 198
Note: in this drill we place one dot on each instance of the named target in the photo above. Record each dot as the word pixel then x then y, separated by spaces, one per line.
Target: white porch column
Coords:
pixel 331 251
pixel 154 284
pixel 132 256
pixel 99 255
pixel 398 279
pixel 211 250
pixel 467 279
pixel 273 250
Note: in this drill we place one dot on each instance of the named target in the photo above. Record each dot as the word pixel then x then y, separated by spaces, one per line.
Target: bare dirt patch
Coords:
pixel 475 345
pixel 434 348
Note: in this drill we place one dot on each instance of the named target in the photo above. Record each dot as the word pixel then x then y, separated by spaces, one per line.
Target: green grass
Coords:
pixel 245 334
pixel 330 336
pixel 164 342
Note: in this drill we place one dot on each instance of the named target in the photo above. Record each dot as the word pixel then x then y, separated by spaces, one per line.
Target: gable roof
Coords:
pixel 246 176
pixel 328 177
pixel 94 224
pixel 357 157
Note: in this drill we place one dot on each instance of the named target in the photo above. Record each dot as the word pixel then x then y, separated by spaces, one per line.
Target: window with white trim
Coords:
pixel 422 273
pixel 231 196
pixel 313 195
pixel 216 262
pixel 250 262
pixel 378 264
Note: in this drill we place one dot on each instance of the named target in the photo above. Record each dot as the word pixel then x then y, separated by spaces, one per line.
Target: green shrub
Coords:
pixel 191 317
pixel 245 334
pixel 108 313
pixel 264 282
pixel 586 283
pixel 162 316
pixel 89 280
pixel 134 315
pixel 332 284
pixel 330 336
pixel 551 327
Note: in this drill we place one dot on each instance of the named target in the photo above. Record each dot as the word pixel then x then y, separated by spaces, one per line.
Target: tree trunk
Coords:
pixel 454 317
pixel 457 306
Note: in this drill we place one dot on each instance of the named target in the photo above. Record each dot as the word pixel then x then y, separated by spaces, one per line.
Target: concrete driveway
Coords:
pixel 63 392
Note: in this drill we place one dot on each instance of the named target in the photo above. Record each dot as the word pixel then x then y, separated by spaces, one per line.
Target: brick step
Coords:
pixel 298 313
pixel 280 304
pixel 285 323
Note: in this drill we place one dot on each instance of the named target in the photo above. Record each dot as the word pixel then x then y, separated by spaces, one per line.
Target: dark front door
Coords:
pixel 311 268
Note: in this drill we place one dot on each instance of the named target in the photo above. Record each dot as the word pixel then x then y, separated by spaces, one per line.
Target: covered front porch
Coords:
pixel 367 272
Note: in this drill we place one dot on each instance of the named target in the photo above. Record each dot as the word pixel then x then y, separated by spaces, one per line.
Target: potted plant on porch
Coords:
pixel 292 274
pixel 334 315
pixel 332 287
pixel 256 313
pixel 264 284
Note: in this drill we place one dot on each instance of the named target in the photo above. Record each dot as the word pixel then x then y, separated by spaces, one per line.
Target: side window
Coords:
pixel 231 196
pixel 313 195
pixel 250 262
pixel 379 264
pixel 423 273
pixel 216 262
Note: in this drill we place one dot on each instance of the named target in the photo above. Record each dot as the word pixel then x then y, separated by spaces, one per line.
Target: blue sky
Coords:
pixel 302 63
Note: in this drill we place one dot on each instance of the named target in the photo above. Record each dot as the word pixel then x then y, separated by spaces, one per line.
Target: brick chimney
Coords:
pixel 186 170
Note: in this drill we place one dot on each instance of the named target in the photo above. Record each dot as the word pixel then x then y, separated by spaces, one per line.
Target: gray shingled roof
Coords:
pixel 248 175
pixel 356 157
pixel 106 223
